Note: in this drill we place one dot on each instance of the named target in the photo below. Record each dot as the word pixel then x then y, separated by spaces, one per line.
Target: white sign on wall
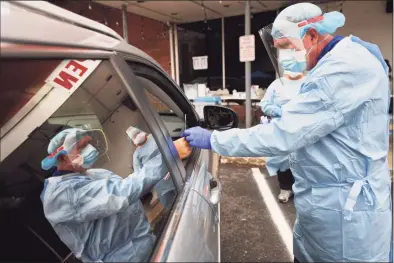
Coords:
pixel 200 63
pixel 246 48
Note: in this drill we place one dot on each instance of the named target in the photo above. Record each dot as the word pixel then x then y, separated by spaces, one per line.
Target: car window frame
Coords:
pixel 154 122
pixel 164 242
pixel 174 91
pixel 34 52
pixel 150 72
pixel 118 61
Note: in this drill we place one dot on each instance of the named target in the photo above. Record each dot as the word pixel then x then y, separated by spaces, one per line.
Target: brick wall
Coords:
pixel 149 35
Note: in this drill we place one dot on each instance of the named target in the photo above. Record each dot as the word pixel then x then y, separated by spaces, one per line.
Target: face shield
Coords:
pixel 94 137
pixel 285 49
pixel 82 147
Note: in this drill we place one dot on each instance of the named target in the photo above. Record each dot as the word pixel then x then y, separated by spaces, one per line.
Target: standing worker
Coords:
pixel 336 132
pixel 279 93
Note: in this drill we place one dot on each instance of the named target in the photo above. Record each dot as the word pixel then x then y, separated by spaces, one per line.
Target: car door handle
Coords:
pixel 216 191
pixel 177 130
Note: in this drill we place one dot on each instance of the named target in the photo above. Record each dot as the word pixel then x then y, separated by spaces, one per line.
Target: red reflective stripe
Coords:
pixel 309 21
pixel 55 152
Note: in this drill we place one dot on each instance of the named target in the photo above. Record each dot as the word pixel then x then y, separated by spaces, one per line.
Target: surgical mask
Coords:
pixel 292 60
pixel 87 157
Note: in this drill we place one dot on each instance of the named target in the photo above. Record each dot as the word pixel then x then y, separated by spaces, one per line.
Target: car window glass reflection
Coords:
pixel 90 179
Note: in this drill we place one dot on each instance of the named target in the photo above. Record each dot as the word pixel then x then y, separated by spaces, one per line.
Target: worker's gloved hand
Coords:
pixel 276 112
pixel 271 110
pixel 198 137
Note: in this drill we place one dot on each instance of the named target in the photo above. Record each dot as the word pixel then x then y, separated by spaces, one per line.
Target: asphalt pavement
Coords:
pixel 248 230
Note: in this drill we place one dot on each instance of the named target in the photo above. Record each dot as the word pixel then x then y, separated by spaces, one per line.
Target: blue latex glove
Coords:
pixel 276 112
pixel 198 137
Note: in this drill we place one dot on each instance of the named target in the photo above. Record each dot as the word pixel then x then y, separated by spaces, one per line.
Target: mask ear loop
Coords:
pixel 307 22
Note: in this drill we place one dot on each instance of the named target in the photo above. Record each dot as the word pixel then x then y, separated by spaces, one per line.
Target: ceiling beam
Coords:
pixel 129 3
pixel 262 4
pixel 207 8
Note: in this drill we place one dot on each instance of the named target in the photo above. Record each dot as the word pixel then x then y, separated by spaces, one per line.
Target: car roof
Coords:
pixel 66 15
pixel 39 22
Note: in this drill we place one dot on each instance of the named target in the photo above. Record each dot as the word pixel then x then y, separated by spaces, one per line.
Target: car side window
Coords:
pixel 84 133
pixel 160 106
pixel 172 115
pixel 174 123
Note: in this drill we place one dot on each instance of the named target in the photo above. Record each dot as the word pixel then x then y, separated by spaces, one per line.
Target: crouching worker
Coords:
pixel 95 212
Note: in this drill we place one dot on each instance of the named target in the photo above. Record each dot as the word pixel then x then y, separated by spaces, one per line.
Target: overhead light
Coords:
pixel 220 1
pixel 90 7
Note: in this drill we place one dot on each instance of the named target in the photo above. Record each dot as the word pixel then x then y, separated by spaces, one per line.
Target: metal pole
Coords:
pixel 171 36
pixel 124 22
pixel 248 104
pixel 176 54
pixel 223 56
pixel 277 50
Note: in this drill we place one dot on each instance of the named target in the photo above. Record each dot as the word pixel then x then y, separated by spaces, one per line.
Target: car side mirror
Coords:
pixel 220 118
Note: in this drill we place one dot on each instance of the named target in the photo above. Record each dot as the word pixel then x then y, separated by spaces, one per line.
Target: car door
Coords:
pixel 193 231
pixel 30 120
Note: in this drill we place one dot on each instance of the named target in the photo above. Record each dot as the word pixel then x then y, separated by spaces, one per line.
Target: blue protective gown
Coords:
pixel 165 189
pixel 336 132
pixel 99 215
pixel 279 93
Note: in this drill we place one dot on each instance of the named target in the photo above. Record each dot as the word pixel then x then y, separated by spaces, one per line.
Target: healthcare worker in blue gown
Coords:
pixel 336 134
pixel 278 94
pixel 97 213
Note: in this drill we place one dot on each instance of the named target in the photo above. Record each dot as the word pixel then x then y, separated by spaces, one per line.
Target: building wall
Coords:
pixel 369 21
pixel 149 35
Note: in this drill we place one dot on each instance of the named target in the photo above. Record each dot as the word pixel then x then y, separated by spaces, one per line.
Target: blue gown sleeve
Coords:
pixel 101 198
pixel 268 107
pixel 333 94
pixel 136 161
pixel 305 119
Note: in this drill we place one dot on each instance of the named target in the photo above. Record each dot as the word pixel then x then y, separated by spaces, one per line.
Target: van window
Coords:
pixel 102 112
